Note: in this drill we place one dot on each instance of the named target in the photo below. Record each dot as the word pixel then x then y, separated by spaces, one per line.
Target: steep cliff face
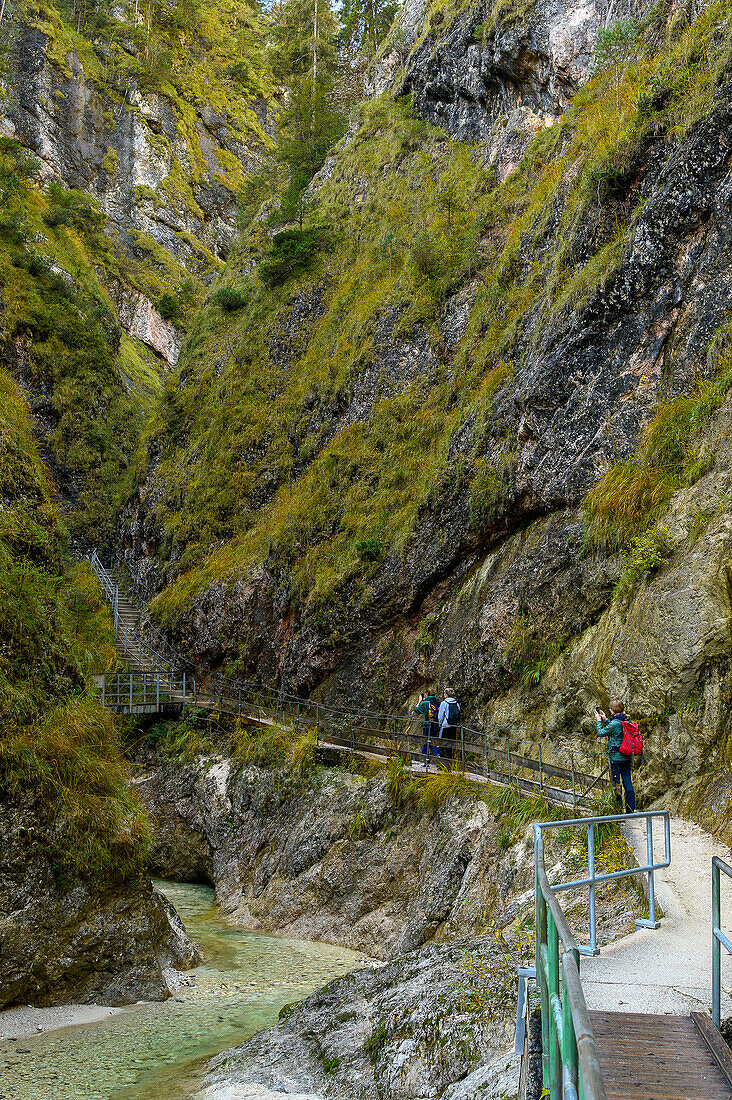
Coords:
pixel 495 382
pixel 331 859
pixel 79 920
pixel 124 146
pixel 163 164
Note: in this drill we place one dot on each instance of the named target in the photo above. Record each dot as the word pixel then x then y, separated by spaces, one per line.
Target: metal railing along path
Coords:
pixel 558 771
pixel 718 937
pixel 133 647
pixel 592 880
pixel 143 693
pixel 570 1064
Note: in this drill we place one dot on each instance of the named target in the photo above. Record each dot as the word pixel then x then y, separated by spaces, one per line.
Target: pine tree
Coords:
pixel 305 61
pixel 364 25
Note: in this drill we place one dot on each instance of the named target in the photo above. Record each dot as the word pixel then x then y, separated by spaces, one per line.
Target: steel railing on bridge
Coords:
pixel 565 769
pixel 133 647
pixel 144 693
pixel 718 937
pixel 570 1064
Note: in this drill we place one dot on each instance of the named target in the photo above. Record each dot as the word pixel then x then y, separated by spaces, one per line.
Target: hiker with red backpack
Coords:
pixel 624 746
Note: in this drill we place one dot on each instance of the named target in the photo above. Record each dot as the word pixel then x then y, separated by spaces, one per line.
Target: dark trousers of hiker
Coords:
pixel 622 771
pixel 447 742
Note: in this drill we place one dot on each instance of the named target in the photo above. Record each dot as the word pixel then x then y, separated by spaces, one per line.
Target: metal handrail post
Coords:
pixel 130 693
pixel 541 939
pixel 569 1038
pixel 462 749
pixel 157 692
pixel 555 1054
pixel 649 861
pixel 718 937
pixel 592 888
pixel 508 754
pixel 716 947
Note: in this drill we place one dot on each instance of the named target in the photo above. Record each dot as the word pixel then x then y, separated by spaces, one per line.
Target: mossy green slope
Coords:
pixel 258 465
pixel 57 743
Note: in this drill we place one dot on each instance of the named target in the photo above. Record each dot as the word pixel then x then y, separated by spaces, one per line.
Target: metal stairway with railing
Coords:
pixel 566 770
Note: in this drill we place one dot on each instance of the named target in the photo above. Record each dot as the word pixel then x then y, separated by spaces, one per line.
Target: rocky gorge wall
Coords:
pixel 585 342
pixel 131 156
pixel 330 858
pixel 90 941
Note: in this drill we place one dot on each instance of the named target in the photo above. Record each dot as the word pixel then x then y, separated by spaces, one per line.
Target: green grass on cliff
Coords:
pixel 671 453
pixel 57 744
pixel 61 336
pixel 252 469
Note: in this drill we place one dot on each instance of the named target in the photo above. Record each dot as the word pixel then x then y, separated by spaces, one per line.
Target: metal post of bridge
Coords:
pixel 649 863
pixel 570 1056
pixel 462 749
pixel 716 948
pixel 508 754
pixel 555 1058
pixel 130 693
pixel 157 691
pixel 591 888
pixel 541 770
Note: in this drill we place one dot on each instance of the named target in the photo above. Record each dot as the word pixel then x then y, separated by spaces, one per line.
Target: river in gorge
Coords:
pixel 158 1051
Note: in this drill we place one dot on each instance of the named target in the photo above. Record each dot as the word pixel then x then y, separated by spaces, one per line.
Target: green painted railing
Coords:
pixel 571 1067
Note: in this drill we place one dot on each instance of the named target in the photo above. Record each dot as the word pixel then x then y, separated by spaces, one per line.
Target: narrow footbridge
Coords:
pixel 565 770
pixel 621 1052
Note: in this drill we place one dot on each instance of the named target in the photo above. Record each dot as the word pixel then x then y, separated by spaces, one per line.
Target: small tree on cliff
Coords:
pixel 305 60
pixel 615 48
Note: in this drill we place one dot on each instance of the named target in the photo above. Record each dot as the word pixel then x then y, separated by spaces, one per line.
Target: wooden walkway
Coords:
pixel 645 1057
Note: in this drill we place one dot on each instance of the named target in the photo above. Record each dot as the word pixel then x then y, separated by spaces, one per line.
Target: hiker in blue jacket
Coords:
pixel 448 719
pixel 620 765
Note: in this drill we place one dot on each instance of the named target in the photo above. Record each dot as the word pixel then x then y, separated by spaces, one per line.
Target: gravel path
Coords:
pixel 669 969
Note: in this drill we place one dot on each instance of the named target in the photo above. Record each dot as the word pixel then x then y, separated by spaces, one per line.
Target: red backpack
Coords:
pixel 632 743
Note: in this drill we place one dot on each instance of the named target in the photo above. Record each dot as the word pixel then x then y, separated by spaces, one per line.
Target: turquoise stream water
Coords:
pixel 158 1051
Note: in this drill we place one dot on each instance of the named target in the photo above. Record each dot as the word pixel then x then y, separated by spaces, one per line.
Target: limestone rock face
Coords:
pixel 497 74
pixel 330 860
pixel 160 170
pixel 402 1031
pixel 63 940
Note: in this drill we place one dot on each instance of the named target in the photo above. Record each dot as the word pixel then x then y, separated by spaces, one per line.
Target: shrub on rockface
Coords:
pixel 229 299
pixel 292 252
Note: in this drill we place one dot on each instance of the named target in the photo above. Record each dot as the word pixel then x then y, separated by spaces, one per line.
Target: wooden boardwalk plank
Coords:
pixel 648 1057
